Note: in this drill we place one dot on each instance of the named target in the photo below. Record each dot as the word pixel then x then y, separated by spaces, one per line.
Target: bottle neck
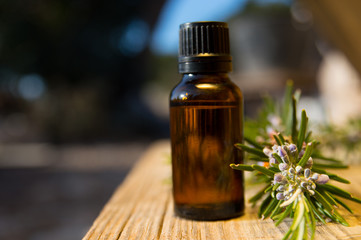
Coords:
pixel 205 64
pixel 216 77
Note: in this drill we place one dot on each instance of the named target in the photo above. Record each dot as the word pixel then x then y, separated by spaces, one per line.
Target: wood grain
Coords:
pixel 142 208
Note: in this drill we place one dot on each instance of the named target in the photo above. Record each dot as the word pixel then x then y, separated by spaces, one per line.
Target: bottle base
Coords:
pixel 209 212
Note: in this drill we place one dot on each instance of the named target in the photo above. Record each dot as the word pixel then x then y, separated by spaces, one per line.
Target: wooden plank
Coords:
pixel 142 208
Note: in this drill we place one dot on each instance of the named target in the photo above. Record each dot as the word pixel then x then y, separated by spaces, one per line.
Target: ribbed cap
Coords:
pixel 204 47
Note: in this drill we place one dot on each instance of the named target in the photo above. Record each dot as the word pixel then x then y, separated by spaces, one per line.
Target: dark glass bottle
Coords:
pixel 206 116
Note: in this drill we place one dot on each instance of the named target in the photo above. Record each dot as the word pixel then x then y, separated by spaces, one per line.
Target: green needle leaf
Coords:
pixel 258 159
pixel 301 229
pixel 274 168
pixel 242 167
pixel 264 205
pixel 328 198
pixel 304 202
pixel 277 209
pixel 277 140
pixel 307 154
pixel 335 216
pixel 343 205
pixel 263 170
pixel 277 157
pixel 253 143
pixel 331 175
pixel 294 120
pixel 275 186
pixel 315 210
pixel 312 218
pixel 339 192
pixel 303 128
pixel 284 215
pixel 308 136
pixel 335 190
pixel 282 139
pixel 254 151
pixel 257 196
pixel 268 189
pixel 288 233
pixel 319 165
pixel 317 155
pixel 298 215
pixel 287 101
pixel 270 208
pixel 323 201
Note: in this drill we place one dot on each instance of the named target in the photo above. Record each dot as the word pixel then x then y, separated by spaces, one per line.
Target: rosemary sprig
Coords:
pixel 293 170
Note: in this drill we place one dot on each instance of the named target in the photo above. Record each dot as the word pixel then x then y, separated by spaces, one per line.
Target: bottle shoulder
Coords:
pixel 206 88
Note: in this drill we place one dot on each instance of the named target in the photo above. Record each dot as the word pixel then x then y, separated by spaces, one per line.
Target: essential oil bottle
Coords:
pixel 206 120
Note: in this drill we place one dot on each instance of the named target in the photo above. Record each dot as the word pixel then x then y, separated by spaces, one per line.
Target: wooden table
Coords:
pixel 142 208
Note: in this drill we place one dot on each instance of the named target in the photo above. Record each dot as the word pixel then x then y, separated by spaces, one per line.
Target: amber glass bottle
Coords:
pixel 206 116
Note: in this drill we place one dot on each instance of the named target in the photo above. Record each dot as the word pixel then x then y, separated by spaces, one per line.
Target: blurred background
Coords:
pixel 84 89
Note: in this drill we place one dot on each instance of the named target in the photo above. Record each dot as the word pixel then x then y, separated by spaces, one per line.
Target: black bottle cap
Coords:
pixel 204 48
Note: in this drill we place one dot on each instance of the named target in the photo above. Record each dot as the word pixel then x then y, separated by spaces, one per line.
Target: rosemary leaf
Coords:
pixel 328 198
pixel 326 213
pixel 319 165
pixel 306 155
pixel 258 159
pixel 257 196
pixel 318 215
pixel 302 132
pixel 275 186
pixel 297 94
pixel 282 139
pixel 308 136
pixel 298 215
pixel 323 201
pixel 312 218
pixel 294 235
pixel 343 204
pixel 314 208
pixel 243 167
pixel 288 233
pixel 277 209
pixel 275 168
pixel 317 155
pixel 277 140
pixel 294 132
pixel 339 179
pixel 304 202
pixel 283 215
pixel 331 175
pixel 248 149
pixel 264 205
pixel 269 208
pixel 335 190
pixel 287 101
pixel 336 217
pixel 308 221
pixel 301 229
pixel 253 143
pixel 263 170
pixel 268 189
pixel 278 159
pixel 339 192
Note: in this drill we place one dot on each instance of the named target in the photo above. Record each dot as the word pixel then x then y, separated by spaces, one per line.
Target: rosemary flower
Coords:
pixel 296 183
pixel 293 178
